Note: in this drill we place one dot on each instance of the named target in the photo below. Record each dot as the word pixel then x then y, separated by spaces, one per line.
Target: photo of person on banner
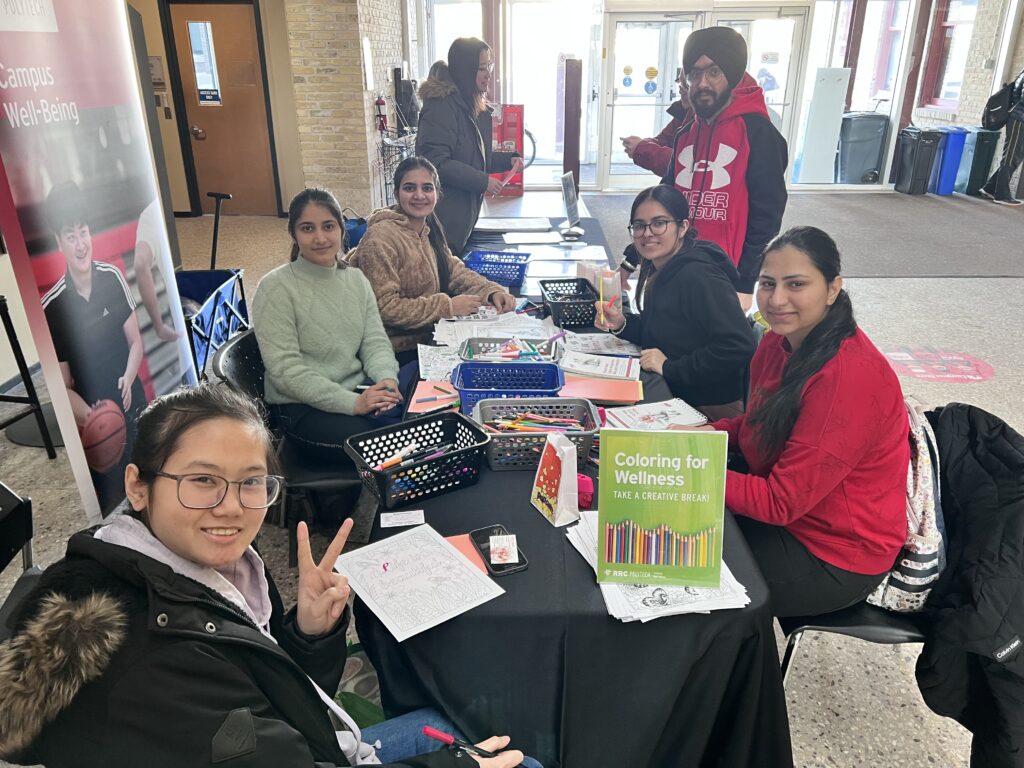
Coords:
pixel 91 314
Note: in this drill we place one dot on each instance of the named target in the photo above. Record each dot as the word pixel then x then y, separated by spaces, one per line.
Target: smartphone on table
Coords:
pixel 481 539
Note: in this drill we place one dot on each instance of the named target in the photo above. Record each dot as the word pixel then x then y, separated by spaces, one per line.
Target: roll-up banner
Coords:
pixel 81 215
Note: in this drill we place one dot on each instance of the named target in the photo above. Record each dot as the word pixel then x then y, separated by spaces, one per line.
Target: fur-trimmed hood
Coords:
pixel 437 88
pixel 67 643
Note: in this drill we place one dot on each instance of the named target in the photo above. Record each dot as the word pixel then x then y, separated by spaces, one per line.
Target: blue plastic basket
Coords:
pixel 503 267
pixel 476 381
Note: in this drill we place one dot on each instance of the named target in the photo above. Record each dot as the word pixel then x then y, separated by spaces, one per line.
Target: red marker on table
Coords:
pixel 447 738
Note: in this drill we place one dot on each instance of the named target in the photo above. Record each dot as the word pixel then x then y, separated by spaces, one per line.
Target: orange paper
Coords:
pixel 611 391
pixel 465 545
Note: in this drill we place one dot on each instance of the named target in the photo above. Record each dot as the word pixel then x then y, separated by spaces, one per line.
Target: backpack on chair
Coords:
pixel 906 587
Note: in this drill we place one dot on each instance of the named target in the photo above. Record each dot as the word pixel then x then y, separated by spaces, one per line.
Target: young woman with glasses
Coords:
pixel 690 326
pixel 455 135
pixel 161 640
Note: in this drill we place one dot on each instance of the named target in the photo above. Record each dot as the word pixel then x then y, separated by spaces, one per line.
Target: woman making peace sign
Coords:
pixel 161 640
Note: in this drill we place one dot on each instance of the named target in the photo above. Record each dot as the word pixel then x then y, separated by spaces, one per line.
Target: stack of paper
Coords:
pixel 599 366
pixel 436 363
pixel 454 332
pixel 638 602
pixel 667 414
pixel 600 344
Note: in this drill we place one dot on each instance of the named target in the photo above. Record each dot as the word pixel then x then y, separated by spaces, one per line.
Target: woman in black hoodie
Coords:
pixel 455 135
pixel 690 327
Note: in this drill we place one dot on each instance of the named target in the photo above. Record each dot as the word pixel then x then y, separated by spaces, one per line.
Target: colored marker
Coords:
pixel 432 398
pixel 447 738
pixel 611 303
pixel 556 337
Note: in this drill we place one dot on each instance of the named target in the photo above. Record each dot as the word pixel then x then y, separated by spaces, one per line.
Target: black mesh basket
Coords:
pixel 425 478
pixel 570 302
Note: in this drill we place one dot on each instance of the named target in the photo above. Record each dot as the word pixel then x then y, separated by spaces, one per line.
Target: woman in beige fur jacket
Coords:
pixel 414 275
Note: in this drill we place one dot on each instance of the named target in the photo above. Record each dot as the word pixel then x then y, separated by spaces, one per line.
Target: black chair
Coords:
pixel 15 537
pixel 239 363
pixel 758 330
pixel 863 621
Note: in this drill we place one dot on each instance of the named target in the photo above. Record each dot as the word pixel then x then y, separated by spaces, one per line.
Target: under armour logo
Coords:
pixel 719 175
pixel 106 311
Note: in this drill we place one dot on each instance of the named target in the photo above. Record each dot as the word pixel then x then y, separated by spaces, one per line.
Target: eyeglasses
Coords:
pixel 713 74
pixel 656 227
pixel 489 67
pixel 205 491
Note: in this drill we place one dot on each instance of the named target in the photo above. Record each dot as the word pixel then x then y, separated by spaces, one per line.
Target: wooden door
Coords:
pixel 222 81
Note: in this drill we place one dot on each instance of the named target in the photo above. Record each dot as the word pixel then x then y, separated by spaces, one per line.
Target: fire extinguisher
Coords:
pixel 382 115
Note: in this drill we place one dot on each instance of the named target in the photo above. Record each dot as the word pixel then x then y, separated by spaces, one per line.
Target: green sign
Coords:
pixel 660 507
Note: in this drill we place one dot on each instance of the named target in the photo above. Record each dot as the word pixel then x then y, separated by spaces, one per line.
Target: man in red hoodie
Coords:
pixel 730 161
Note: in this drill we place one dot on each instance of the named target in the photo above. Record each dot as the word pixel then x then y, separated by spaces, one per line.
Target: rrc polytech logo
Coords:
pixel 27 16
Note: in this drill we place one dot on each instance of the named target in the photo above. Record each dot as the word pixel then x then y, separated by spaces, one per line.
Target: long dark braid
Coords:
pixel 777 413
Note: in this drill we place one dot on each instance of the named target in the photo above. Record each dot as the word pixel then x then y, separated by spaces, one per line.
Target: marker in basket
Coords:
pixel 556 337
pixel 397 458
pixel 427 453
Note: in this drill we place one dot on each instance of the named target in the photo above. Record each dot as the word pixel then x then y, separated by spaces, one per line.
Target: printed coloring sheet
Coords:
pixel 415 580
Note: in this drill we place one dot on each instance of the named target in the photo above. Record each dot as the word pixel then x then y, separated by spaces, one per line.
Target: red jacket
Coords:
pixel 655 154
pixel 840 484
pixel 732 172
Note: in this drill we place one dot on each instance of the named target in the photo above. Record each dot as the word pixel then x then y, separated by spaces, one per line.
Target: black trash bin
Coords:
pixel 976 161
pixel 861 144
pixel 915 155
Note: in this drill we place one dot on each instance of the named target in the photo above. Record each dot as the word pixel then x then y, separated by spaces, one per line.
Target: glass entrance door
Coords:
pixel 775 38
pixel 644 53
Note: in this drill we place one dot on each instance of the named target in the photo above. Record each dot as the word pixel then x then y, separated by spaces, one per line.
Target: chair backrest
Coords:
pixel 239 363
pixel 15 537
pixel 758 330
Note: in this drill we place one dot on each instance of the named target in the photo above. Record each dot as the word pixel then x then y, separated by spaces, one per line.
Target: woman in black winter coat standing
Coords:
pixel 455 135
pixel 690 327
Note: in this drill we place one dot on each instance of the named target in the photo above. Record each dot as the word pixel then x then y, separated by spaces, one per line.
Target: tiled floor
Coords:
pixel 850 703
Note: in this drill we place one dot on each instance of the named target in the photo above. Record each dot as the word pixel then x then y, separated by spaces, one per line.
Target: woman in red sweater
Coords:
pixel 825 437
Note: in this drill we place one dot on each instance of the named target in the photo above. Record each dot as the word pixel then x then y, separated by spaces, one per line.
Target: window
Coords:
pixel 947 53
pixel 891 45
pixel 204 62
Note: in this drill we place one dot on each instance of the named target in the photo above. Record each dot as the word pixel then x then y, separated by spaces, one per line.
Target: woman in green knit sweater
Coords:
pixel 321 336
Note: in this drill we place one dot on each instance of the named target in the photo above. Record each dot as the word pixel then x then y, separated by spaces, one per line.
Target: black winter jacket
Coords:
pixel 691 314
pixel 972 665
pixel 118 661
pixel 459 146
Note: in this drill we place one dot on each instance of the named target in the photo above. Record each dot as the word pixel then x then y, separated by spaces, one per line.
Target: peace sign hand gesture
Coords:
pixel 322 592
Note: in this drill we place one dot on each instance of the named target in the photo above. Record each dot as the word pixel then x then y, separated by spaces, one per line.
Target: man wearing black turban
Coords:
pixel 729 161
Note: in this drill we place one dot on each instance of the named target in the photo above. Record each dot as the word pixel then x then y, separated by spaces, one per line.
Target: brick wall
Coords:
pixel 977 81
pixel 337 130
pixel 381 22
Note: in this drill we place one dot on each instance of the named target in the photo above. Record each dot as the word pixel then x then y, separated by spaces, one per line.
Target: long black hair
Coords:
pixel 463 63
pixel 673 201
pixel 436 236
pixel 777 413
pixel 324 198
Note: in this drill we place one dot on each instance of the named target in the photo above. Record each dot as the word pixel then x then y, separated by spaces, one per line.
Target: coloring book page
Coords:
pixel 415 580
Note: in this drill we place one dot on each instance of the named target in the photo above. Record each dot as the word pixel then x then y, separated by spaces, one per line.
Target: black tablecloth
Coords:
pixel 546 664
